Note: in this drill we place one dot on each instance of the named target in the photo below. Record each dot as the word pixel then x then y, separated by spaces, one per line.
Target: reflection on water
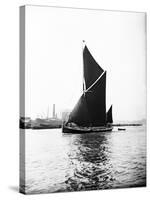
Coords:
pixel 89 160
pixel 57 162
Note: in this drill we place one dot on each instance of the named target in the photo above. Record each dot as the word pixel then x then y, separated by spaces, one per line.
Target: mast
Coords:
pixel 84 86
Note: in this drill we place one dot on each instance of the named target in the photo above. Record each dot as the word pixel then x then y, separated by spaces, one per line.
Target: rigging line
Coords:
pixel 95 82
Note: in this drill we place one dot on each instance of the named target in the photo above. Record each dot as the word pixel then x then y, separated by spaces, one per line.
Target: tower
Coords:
pixel 53 110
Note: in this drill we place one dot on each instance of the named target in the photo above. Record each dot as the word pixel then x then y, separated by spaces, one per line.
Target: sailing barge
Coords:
pixel 89 114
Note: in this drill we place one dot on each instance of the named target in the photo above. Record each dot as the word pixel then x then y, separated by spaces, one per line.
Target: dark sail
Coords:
pixel 79 114
pixel 96 101
pixel 91 109
pixel 109 115
pixel 91 69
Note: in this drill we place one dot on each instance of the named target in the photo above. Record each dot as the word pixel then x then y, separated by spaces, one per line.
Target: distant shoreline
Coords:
pixel 53 127
pixel 127 124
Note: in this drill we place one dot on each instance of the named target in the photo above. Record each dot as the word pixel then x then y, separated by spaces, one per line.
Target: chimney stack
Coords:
pixel 53 110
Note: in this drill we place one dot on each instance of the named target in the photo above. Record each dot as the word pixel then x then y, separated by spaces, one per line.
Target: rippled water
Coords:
pixel 56 162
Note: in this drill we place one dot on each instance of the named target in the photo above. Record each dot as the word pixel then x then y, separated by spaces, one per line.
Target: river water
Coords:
pixel 57 162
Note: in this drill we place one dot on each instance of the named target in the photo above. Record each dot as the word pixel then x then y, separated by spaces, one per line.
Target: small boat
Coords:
pixel 89 114
pixel 121 129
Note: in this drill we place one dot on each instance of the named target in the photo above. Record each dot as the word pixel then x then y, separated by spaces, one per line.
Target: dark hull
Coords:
pixel 82 130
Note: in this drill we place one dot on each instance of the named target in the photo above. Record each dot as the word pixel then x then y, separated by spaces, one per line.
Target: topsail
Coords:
pixel 91 69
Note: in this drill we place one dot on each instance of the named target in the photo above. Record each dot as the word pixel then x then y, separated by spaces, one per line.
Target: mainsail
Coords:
pixel 80 114
pixel 109 115
pixel 96 98
pixel 91 107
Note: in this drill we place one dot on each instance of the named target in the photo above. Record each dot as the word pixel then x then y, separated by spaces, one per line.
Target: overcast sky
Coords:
pixel 54 63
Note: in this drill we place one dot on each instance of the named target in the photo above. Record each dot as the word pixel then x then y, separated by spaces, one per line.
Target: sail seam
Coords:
pixel 94 82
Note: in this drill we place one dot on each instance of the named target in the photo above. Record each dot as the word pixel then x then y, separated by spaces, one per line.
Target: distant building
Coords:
pixel 25 119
